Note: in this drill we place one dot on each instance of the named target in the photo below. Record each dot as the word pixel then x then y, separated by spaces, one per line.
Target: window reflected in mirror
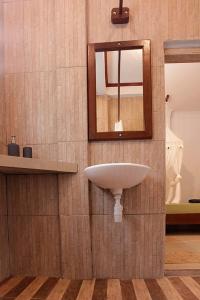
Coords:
pixel 119 90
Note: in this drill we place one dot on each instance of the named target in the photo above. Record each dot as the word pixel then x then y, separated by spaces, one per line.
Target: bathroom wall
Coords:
pixel 2 101
pixel 46 108
pixel 30 82
pixel 45 86
pixel 4 249
pixel 135 248
pixel 136 245
pixel 71 89
pixel 34 235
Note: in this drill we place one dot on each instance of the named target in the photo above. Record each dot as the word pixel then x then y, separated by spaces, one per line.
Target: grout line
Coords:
pixel 44 71
pixel 33 215
pixel 133 214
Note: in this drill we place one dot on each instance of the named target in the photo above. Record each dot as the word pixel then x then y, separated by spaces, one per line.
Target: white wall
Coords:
pixel 182 82
pixel 131 71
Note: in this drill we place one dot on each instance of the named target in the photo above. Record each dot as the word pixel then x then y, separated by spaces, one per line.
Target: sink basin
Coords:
pixel 116 177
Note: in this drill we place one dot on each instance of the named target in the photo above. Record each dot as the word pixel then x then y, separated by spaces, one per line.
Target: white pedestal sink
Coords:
pixel 116 177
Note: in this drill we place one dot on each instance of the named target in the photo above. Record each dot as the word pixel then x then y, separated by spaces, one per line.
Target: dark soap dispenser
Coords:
pixel 13 148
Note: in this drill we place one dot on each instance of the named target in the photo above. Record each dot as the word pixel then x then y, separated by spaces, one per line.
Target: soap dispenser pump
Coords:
pixel 13 148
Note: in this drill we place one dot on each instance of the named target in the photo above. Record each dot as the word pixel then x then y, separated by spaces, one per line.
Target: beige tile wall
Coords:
pixel 4 247
pixel 46 107
pixel 33 219
pixel 144 205
pixel 45 86
pixel 71 82
pixel 31 115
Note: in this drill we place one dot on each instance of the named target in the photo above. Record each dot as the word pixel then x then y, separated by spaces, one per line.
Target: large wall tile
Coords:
pixel 128 249
pixel 31 107
pixel 32 195
pixel 35 245
pixel 13 36
pixel 183 19
pixel 3 200
pixel 29 36
pixel 71 91
pixel 73 188
pixel 107 247
pixel 73 194
pixel 76 247
pixel 39 35
pixel 70 33
pixel 4 248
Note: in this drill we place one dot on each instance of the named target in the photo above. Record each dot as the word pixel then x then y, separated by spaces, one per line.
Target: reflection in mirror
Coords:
pixel 119 90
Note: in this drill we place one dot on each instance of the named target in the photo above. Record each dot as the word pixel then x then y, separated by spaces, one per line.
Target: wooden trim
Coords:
pixel 184 219
pixel 93 135
pixel 181 270
pixel 20 165
pixel 106 69
pixel 108 84
pixel 125 84
pixel 182 55
pixel 118 85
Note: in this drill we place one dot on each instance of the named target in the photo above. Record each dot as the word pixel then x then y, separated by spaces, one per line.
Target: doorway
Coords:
pixel 182 109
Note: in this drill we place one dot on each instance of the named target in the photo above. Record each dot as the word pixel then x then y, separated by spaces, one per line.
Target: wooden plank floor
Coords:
pixel 41 288
pixel 182 248
pixel 182 254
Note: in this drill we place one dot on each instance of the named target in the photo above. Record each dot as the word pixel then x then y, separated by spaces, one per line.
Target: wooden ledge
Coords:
pixel 182 55
pixel 21 165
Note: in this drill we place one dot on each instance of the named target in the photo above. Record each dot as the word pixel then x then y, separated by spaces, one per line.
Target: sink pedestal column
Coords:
pixel 118 208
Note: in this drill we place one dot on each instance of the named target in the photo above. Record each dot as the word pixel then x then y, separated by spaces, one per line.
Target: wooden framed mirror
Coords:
pixel 119 90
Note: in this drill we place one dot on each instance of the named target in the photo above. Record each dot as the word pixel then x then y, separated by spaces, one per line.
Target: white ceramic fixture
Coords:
pixel 116 177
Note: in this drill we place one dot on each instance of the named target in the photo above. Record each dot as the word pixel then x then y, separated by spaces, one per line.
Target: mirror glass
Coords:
pixel 119 90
